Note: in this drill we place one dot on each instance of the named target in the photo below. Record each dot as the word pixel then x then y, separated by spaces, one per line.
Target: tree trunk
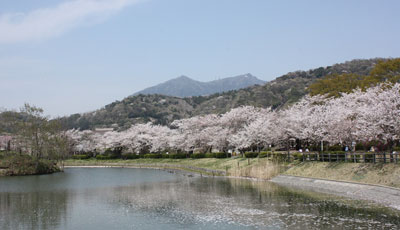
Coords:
pixel 391 143
pixel 322 146
pixel 9 146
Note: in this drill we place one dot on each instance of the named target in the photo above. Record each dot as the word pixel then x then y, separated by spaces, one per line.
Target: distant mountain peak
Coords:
pixel 184 86
pixel 182 77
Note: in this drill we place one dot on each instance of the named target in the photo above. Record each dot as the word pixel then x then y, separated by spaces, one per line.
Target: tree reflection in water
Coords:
pixel 33 210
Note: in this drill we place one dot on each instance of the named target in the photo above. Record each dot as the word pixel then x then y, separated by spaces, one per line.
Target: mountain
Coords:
pixel 186 87
pixel 162 109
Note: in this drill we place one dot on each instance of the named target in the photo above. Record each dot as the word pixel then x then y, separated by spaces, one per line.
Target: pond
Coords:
pixel 122 198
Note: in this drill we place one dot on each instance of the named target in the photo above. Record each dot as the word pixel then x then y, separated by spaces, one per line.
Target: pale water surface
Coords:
pixel 118 198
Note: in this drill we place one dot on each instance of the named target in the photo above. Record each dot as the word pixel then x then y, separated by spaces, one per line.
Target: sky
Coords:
pixel 75 56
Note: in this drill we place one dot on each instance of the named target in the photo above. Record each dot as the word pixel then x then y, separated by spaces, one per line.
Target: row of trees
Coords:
pixel 359 116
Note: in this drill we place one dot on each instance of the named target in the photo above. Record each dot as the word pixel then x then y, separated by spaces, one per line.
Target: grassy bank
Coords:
pixel 380 174
pixel 18 165
pixel 263 168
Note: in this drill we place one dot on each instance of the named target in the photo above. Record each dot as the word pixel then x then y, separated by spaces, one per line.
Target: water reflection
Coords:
pixel 151 199
pixel 33 210
pixel 248 204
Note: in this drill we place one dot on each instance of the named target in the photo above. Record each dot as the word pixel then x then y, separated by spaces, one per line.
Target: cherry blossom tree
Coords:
pixel 360 116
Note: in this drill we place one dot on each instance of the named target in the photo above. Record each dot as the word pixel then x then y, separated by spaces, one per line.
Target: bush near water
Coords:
pixel 13 164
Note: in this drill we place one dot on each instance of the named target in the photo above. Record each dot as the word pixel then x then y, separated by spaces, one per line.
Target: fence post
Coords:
pixel 345 157
pixel 384 158
pixel 329 157
pixel 364 157
pixel 374 158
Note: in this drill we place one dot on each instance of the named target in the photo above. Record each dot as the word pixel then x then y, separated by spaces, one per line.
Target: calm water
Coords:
pixel 116 198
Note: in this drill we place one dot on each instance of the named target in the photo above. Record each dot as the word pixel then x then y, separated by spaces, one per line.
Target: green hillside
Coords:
pixel 334 84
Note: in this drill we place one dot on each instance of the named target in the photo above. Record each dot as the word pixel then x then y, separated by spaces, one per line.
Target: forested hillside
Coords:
pixel 161 109
pixel 335 84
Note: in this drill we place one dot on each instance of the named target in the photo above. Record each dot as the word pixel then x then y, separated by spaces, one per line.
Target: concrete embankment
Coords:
pixel 383 195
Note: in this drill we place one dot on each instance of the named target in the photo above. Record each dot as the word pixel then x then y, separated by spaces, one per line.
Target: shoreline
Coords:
pixel 382 195
pixel 175 168
pixel 378 194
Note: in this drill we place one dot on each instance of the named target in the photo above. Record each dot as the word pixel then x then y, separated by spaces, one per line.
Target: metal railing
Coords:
pixel 346 157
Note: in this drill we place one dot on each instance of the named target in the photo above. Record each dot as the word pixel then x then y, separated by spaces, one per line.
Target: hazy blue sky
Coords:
pixel 78 55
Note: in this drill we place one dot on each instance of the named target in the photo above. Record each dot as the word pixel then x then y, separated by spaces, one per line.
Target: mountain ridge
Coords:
pixel 184 86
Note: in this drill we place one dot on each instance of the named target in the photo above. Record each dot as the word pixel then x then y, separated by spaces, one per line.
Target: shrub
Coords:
pixel 103 157
pixel 369 158
pixel 315 148
pixel 198 155
pixel 264 154
pixel 335 152
pixel 177 156
pixel 209 155
pixel 44 167
pixel 310 156
pixel 297 156
pixel 113 153
pixel 131 156
pixel 114 156
pixel 222 155
pixel 90 154
pixel 279 157
pixel 335 148
pixel 360 146
pixel 80 157
pixel 251 155
pixel 108 151
pixel 152 155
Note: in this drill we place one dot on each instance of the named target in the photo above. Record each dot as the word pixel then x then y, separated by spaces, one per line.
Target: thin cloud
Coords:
pixel 45 23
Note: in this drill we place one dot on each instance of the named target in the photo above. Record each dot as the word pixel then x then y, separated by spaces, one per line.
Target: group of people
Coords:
pixel 307 150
